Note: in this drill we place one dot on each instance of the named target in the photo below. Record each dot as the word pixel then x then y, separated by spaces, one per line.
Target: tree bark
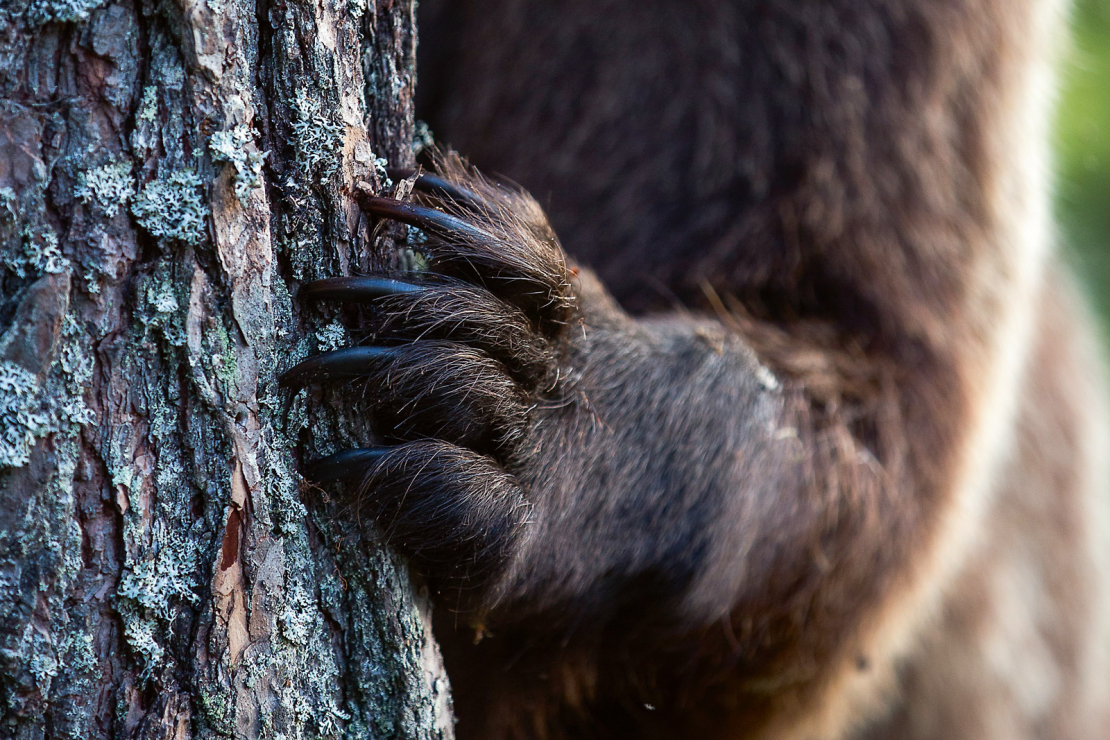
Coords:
pixel 169 171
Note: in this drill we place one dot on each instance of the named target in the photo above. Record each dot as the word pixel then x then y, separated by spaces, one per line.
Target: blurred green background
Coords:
pixel 1083 150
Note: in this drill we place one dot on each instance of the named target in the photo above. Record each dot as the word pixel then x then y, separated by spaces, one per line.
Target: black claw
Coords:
pixel 359 289
pixel 342 363
pixel 344 464
pixel 421 217
pixel 438 186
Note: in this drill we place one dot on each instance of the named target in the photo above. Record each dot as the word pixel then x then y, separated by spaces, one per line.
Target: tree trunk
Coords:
pixel 169 171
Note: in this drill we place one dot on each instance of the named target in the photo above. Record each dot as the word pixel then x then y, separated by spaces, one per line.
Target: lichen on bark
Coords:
pixel 169 171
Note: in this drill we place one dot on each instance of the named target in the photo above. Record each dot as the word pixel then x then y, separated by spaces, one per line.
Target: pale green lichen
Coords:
pixel 422 137
pixel 159 294
pixel 297 617
pixel 381 165
pixel 415 236
pixel 282 488
pixel 22 420
pixel 331 336
pixel 232 147
pixel 163 555
pixel 173 208
pixel 312 700
pixel 140 636
pixel 91 276
pixel 43 662
pixel 40 254
pixel 164 302
pixel 41 12
pixel 55 650
pixel 157 585
pixel 48 257
pixel 69 411
pixel 318 138
pixel 78 649
pixel 9 205
pixel 152 589
pixel 148 106
pixel 220 354
pixel 110 186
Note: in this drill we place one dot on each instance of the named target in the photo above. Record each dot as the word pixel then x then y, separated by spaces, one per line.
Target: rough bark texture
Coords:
pixel 169 170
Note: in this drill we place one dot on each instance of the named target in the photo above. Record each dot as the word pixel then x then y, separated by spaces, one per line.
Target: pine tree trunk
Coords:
pixel 170 170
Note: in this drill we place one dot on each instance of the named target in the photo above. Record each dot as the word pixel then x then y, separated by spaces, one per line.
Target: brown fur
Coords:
pixel 1018 648
pixel 850 487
